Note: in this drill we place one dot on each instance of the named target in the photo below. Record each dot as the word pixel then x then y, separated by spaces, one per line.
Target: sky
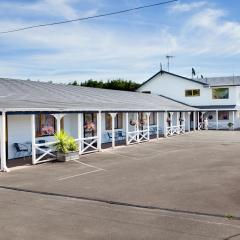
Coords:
pixel 200 34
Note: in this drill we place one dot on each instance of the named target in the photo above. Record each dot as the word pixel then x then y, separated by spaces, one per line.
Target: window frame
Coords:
pixel 217 98
pixel 118 122
pixel 222 113
pixel 192 92
pixel 39 123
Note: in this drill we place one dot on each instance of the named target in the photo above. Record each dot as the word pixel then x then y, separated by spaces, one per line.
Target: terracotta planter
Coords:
pixel 65 157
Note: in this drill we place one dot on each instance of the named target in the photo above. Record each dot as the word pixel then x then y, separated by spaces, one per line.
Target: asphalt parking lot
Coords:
pixel 183 187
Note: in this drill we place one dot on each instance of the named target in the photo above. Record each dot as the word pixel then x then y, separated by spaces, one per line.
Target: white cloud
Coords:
pixel 187 7
pixel 91 50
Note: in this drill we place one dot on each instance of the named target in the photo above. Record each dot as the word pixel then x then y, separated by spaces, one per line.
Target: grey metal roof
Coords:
pixel 25 95
pixel 222 81
pixel 161 72
pixel 214 107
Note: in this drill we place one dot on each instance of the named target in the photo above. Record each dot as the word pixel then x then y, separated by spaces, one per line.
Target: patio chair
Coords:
pixel 121 135
pixel 22 150
pixel 42 142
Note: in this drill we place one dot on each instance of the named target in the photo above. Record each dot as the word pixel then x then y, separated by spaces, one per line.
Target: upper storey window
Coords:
pixel 192 93
pixel 220 93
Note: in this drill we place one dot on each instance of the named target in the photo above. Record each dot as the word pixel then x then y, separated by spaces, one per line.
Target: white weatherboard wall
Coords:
pixel 19 131
pixel 174 87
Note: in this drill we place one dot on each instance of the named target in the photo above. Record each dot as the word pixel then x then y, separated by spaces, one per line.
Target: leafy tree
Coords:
pixel 116 84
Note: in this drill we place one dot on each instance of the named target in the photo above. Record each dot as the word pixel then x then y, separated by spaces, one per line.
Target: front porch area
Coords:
pixel 29 138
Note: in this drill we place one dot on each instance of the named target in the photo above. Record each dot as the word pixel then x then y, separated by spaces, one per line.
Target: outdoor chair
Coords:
pixel 22 150
pixel 121 135
pixel 110 136
pixel 42 142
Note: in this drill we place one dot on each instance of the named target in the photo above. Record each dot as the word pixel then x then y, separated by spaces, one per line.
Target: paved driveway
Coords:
pixel 182 187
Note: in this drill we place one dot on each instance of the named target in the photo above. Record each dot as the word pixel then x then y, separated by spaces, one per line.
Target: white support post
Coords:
pixel 171 121
pixel 99 130
pixel 165 116
pixel 58 118
pixel 157 125
pixel 148 126
pixel 113 115
pixel 80 131
pixel 216 119
pixel 3 144
pixel 137 126
pixel 184 121
pixel 189 122
pixel 126 126
pixel 194 121
pixel 233 116
pixel 198 121
pixel 33 139
pixel 178 122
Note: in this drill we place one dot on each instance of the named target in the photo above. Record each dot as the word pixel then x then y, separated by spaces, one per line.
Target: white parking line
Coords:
pixel 80 174
pixel 96 169
pixel 88 165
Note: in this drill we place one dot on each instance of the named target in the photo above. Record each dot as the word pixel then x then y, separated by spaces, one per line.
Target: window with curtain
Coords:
pixel 223 115
pixel 45 125
pixel 118 121
pixel 220 93
pixel 153 118
pixel 192 93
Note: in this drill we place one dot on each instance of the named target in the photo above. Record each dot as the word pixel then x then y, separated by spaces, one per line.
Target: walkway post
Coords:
pixel 3 144
pixel 80 131
pixel 113 115
pixel 198 121
pixel 178 122
pixel 216 119
pixel 171 124
pixel 194 121
pixel 233 113
pixel 137 126
pixel 189 122
pixel 157 125
pixel 183 121
pixel 58 118
pixel 165 116
pixel 99 130
pixel 148 126
pixel 33 139
pixel 126 127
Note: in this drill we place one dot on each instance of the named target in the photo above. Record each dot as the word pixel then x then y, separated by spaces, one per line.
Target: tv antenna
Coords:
pixel 168 60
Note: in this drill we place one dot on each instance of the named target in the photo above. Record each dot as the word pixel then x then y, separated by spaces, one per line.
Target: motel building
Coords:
pixel 31 112
pixel 217 99
pixel 165 105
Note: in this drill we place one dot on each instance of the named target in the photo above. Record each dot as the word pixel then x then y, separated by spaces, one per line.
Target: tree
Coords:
pixel 116 84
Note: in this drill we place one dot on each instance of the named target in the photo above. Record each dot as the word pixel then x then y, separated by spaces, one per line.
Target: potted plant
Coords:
pixel 230 125
pixel 66 146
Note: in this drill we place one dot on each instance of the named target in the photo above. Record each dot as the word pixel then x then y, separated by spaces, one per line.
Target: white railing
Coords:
pixel 137 136
pixel 88 144
pixel 175 130
pixel 45 149
pixel 143 135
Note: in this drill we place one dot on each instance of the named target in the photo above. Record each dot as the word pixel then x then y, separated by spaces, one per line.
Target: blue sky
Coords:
pixel 200 34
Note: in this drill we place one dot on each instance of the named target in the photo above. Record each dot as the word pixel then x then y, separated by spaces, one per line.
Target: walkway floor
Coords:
pixel 183 187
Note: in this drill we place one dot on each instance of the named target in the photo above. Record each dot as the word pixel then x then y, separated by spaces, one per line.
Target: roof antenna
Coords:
pixel 161 67
pixel 168 60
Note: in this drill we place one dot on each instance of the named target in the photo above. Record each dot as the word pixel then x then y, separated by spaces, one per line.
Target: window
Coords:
pixel 220 93
pixel 192 93
pixel 152 118
pixel 118 121
pixel 45 125
pixel 223 115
